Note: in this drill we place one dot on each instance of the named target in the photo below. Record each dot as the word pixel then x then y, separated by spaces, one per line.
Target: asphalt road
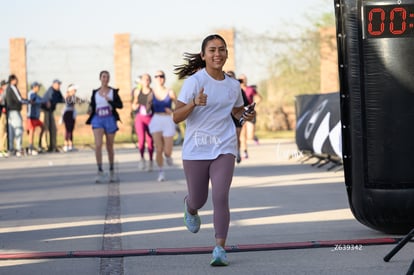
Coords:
pixel 287 217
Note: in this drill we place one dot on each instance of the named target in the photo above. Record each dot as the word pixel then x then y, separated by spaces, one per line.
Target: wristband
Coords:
pixel 194 101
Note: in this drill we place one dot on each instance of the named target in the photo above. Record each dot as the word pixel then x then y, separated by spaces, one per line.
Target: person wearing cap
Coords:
pixel 3 121
pixel 14 102
pixel 33 115
pixel 69 116
pixel 54 96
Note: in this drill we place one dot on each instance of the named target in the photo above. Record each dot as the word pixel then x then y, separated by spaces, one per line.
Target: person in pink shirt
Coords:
pixel 248 131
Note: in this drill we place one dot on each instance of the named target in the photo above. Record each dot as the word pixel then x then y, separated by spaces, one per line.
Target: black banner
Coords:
pixel 318 125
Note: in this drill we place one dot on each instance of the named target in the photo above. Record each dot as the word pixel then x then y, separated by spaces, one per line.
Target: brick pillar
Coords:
pixel 18 62
pixel 228 35
pixel 18 67
pixel 329 60
pixel 122 66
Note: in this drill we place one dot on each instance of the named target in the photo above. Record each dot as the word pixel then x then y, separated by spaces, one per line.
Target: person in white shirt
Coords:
pixel 206 100
pixel 103 117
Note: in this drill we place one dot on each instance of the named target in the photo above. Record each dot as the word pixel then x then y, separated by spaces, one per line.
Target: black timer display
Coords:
pixel 386 21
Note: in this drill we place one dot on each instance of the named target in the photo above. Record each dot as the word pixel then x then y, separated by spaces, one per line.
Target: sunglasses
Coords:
pixel 160 76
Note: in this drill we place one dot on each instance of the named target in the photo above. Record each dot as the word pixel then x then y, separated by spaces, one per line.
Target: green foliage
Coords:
pixel 293 72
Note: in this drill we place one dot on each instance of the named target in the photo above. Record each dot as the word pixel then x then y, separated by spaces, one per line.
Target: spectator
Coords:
pixel 54 96
pixel 3 120
pixel 14 103
pixel 69 116
pixel 33 115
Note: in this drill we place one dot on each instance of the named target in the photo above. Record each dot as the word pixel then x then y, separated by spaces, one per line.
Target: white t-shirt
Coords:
pixel 101 101
pixel 210 130
pixel 103 108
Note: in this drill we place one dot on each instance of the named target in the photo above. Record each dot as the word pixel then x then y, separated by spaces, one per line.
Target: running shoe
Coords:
pixel 161 176
pixel 142 164
pixel 32 152
pixel 113 177
pixel 219 257
pixel 150 166
pixel 238 158
pixel 169 161
pixel 101 177
pixel 192 222
pixel 246 155
pixel 256 140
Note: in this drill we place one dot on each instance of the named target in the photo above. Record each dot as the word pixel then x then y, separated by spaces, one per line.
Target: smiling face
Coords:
pixel 215 54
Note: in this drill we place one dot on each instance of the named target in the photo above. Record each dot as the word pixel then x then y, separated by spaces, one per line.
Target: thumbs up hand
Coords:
pixel 201 98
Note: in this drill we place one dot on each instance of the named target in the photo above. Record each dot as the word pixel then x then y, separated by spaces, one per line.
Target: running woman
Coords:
pixel 206 101
pixel 162 126
pixel 103 117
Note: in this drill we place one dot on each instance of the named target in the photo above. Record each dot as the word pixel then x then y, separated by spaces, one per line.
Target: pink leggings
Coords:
pixel 143 134
pixel 198 174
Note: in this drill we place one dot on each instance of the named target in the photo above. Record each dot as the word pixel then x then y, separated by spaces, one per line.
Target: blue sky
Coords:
pixel 49 24
pixel 86 21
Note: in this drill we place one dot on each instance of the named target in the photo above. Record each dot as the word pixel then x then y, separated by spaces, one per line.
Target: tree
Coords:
pixel 294 72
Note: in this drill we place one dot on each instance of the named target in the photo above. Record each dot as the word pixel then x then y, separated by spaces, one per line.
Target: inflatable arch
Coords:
pixel 376 75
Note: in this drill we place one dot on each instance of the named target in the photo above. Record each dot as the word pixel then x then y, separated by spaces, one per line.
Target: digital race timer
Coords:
pixel 385 21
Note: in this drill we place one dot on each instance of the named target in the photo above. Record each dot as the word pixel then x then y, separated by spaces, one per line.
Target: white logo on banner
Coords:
pixel 312 121
pixel 323 132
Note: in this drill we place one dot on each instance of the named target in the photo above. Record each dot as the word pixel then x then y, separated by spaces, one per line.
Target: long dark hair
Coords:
pixel 194 62
pixel 104 72
pixel 11 78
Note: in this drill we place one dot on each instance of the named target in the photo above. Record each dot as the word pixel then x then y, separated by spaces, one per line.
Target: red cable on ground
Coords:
pixel 192 250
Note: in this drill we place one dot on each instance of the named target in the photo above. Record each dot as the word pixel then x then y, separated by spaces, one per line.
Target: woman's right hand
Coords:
pixel 201 98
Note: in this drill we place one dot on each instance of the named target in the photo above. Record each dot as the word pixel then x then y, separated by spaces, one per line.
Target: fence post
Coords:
pixel 18 66
pixel 228 35
pixel 122 67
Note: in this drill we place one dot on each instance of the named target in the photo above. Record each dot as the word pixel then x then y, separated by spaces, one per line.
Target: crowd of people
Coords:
pixel 217 107
pixel 40 115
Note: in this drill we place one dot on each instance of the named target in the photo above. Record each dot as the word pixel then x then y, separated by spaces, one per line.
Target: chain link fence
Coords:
pixel 74 62
pixel 81 63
